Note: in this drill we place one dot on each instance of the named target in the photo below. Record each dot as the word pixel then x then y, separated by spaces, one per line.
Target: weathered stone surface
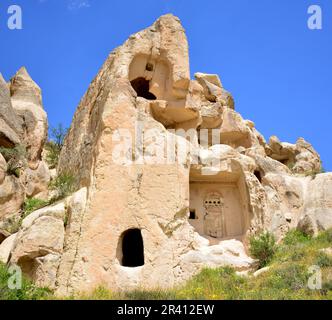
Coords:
pixel 57 211
pixel 234 130
pixel 36 181
pixel 37 245
pixel 45 235
pixel 307 159
pixel 11 128
pixel 261 271
pixel 6 248
pixel 267 165
pixel 27 103
pixel 285 196
pixel 3 235
pixel 213 89
pixel 75 211
pixel 317 213
pixel 25 127
pixel 301 157
pixel 3 169
pixel 11 196
pixel 327 251
pixel 226 253
pixel 45 270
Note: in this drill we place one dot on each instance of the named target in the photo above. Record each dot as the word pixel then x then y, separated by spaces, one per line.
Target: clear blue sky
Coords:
pixel 278 70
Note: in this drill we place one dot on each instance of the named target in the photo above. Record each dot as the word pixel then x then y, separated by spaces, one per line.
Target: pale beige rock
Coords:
pixel 3 235
pixel 57 211
pixel 11 126
pixel 213 89
pixel 211 78
pixel 261 271
pixel 3 169
pixel 307 159
pixel 301 157
pixel 36 181
pixel 226 253
pixel 327 251
pixel 27 103
pixel 25 126
pixel 6 247
pixel 317 213
pixel 285 199
pixel 39 244
pixel 75 211
pixel 45 270
pixel 11 196
pixel 281 151
pixel 34 244
pixel 234 130
pixel 267 165
pixel 244 274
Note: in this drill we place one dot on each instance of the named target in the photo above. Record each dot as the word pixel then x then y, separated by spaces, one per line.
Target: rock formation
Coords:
pixel 169 177
pixel 23 132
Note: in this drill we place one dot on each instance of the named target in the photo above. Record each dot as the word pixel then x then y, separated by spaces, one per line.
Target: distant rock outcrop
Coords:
pixel 23 133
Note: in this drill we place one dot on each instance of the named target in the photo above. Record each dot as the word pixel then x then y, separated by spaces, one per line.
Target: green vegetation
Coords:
pixel 263 248
pixel 63 185
pixel 294 237
pixel 286 279
pixel 32 204
pixel 323 260
pixel 54 145
pixel 28 291
pixel 15 158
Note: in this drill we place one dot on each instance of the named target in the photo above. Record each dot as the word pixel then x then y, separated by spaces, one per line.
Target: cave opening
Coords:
pixel 258 175
pixel 142 88
pixel 192 215
pixel 132 248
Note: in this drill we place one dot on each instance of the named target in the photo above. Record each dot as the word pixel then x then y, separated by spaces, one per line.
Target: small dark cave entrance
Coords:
pixel 142 87
pixel 258 175
pixel 132 248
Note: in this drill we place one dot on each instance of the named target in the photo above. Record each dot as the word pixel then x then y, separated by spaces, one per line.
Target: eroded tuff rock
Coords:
pixel 27 103
pixel 301 157
pixel 226 189
pixel 144 217
pixel 317 212
pixel 11 126
pixel 3 168
pixel 23 132
pixel 11 196
pixel 39 244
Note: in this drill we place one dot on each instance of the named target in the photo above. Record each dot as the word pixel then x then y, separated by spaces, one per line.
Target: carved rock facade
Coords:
pixel 170 177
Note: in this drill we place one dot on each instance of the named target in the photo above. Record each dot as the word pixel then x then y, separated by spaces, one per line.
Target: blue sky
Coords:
pixel 278 70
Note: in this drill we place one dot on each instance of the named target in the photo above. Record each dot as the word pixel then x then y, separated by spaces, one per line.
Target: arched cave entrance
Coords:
pixel 132 248
pixel 142 88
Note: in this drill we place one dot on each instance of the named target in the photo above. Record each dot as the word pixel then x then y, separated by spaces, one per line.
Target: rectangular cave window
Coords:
pixel 192 215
